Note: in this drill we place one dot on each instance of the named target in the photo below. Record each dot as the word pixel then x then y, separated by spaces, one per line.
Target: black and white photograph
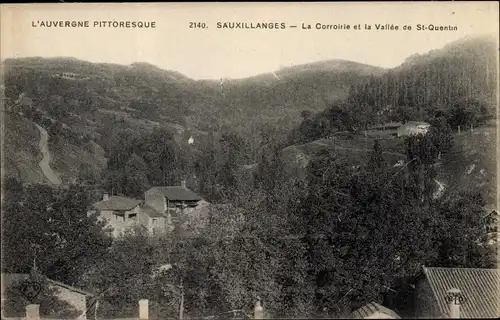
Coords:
pixel 279 160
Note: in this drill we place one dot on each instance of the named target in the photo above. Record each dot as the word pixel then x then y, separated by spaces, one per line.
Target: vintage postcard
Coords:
pixel 250 160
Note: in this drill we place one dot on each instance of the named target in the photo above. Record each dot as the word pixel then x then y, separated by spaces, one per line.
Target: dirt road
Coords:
pixel 44 164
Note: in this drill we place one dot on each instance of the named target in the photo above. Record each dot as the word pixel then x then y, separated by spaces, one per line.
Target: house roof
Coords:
pixel 8 279
pixel 372 308
pixel 152 213
pixel 63 285
pixel 174 193
pixel 117 203
pixel 480 288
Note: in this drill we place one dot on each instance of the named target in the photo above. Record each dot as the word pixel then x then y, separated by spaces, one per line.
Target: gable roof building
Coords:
pixel 176 193
pixel 480 289
pixel 161 208
pixel 119 213
pixel 9 279
pixel 116 203
pixel 76 297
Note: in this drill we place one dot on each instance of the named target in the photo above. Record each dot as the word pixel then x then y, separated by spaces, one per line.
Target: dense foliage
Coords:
pixel 320 246
pixel 344 237
pixel 49 228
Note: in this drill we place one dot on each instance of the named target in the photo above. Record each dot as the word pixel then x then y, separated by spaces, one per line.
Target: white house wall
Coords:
pixel 119 224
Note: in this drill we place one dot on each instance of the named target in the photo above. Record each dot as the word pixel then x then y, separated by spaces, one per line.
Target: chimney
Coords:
pixel 258 312
pixel 455 299
pixel 105 197
pixel 183 183
pixel 143 309
pixel 33 312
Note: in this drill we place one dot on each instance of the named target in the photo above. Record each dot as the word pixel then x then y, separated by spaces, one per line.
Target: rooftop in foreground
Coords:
pixel 479 287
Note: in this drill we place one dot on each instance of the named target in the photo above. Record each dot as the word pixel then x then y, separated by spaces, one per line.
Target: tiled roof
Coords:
pixel 117 203
pixel 63 285
pixel 480 288
pixel 176 193
pixel 152 213
pixel 370 309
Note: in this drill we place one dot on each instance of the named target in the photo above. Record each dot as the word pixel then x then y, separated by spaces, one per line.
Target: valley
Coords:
pixel 318 188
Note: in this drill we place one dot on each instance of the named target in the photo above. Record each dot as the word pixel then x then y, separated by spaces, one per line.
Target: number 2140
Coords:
pixel 198 25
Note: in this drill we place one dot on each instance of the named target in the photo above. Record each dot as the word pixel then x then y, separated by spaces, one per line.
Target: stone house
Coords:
pixel 458 293
pixel 119 213
pixel 163 209
pixel 153 221
pixel 178 204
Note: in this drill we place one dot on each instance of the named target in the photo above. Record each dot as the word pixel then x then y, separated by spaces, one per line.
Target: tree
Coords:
pixel 369 231
pixel 137 161
pixel 135 174
pixel 467 112
pixel 376 162
pixel 234 154
pixel 114 181
pixel 462 231
pixel 51 226
pixel 441 136
pixel 120 149
pixel 309 129
pixel 207 165
pixel 12 189
pixel 124 277
pixel 407 113
pixel 87 174
pixel 360 116
pixel 338 117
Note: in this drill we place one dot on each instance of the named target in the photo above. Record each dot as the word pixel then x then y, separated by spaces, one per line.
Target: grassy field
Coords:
pixel 470 165
pixel 354 149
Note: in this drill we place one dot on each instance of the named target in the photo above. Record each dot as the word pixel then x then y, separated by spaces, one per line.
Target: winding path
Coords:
pixel 44 164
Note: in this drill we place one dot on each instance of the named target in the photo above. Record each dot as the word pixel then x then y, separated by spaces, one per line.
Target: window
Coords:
pixel 155 221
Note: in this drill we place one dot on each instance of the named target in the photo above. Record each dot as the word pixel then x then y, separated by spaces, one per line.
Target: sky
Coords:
pixel 214 53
